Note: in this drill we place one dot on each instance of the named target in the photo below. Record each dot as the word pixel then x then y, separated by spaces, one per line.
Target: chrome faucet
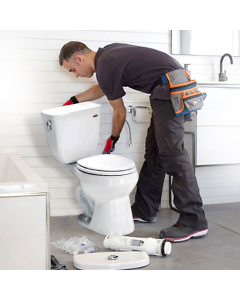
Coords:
pixel 223 77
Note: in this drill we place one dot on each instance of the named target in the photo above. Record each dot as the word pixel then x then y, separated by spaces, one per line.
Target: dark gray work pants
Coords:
pixel 165 153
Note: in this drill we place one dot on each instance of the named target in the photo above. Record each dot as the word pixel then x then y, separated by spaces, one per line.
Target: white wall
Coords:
pixel 32 80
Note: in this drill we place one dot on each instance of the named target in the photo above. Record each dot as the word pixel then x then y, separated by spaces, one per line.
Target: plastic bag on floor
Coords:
pixel 75 245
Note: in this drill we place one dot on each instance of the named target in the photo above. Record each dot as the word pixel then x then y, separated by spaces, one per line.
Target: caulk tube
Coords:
pixel 151 246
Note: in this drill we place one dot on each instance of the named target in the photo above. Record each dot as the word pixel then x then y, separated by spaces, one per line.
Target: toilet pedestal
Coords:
pixel 110 218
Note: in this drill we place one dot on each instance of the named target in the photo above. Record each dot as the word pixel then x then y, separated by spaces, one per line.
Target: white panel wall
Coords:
pixel 219 184
pixel 32 80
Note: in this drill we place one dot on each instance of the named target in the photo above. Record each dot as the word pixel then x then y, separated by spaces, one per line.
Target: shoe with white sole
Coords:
pixel 153 220
pixel 180 233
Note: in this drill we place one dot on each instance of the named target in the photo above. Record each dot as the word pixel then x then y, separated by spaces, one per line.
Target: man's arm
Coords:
pixel 119 116
pixel 93 93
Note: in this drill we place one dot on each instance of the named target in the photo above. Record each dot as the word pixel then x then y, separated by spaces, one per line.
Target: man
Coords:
pixel 119 65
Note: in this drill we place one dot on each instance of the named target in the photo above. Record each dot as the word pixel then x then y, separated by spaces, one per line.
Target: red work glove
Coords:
pixel 110 145
pixel 72 100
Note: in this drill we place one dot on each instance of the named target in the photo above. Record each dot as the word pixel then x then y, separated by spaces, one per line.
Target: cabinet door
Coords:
pixel 22 217
pixel 23 233
pixel 218 127
pixel 28 253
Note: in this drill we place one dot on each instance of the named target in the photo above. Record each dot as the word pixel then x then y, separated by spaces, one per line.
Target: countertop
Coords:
pixel 220 84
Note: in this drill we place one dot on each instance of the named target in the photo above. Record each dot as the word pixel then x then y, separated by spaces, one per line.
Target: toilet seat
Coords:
pixel 106 165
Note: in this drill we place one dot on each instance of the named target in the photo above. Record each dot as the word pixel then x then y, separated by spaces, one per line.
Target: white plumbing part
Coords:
pixel 151 246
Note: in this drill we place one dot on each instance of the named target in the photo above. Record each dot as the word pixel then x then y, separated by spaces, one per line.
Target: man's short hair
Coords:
pixel 71 48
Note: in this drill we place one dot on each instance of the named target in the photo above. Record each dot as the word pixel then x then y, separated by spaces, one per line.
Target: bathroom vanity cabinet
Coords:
pixel 217 143
pixel 24 216
pixel 23 239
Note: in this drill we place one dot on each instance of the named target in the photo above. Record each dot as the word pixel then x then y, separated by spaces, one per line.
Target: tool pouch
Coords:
pixel 184 94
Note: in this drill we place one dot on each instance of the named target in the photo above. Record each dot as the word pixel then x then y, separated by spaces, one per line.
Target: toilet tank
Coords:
pixel 72 131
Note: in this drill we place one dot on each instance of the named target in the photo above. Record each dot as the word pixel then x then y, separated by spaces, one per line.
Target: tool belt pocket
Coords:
pixel 184 93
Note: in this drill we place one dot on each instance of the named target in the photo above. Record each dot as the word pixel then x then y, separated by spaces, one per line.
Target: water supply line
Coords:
pixel 130 134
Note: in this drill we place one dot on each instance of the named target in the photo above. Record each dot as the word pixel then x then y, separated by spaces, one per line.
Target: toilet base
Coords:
pixel 111 260
pixel 83 220
pixel 111 218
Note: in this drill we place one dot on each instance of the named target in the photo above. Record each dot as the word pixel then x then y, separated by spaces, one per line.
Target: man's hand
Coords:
pixel 72 100
pixel 110 145
pixel 95 92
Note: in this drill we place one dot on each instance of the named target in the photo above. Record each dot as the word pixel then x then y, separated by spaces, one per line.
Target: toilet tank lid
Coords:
pixel 106 162
pixel 80 108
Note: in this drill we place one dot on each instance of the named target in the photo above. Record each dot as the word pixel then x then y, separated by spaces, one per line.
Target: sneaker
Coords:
pixel 152 220
pixel 180 233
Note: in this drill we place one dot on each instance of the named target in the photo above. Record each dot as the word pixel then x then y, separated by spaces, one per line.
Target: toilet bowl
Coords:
pixel 105 184
pixel 105 181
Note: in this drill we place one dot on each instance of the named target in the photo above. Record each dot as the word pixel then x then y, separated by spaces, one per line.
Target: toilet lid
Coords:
pixel 106 165
pixel 115 260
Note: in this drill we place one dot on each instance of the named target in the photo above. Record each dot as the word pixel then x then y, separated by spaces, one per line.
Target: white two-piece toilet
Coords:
pixel 105 180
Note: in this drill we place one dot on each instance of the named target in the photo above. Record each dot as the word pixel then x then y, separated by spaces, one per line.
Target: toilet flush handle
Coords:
pixel 49 125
